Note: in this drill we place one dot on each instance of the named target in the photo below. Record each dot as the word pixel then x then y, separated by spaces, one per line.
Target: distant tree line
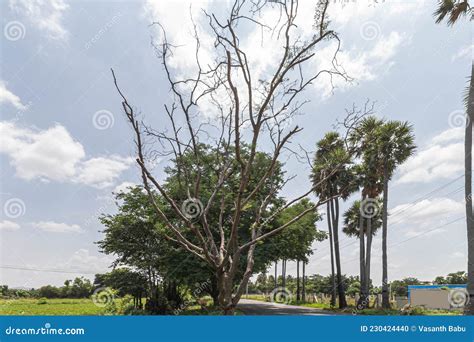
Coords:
pixel 126 282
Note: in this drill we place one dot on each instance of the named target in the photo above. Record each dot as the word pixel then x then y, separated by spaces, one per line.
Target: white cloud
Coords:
pixel 55 227
pixel 102 172
pixel 345 12
pixel 180 32
pixel 124 187
pixel 428 211
pixel 360 64
pixel 453 134
pixel 83 261
pixel 466 51
pixel 46 15
pixel 53 155
pixel 6 225
pixel 442 158
pixel 7 97
pixel 362 60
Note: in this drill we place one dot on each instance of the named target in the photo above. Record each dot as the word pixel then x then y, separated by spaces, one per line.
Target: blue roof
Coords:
pixel 449 286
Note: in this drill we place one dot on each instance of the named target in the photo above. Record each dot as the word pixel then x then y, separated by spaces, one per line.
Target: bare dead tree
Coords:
pixel 247 111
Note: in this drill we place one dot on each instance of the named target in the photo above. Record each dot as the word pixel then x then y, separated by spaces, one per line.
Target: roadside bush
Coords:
pixel 42 300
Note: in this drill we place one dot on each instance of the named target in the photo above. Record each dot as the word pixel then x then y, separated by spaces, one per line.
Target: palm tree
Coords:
pixel 369 179
pixel 332 178
pixel 455 9
pixel 357 224
pixel 396 144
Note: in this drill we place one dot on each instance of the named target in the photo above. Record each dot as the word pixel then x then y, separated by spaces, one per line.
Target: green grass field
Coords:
pixel 70 307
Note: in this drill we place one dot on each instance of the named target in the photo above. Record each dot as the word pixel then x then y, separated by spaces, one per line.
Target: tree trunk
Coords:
pixel 335 228
pixel 368 254
pixel 362 299
pixel 276 275
pixel 298 298
pixel 331 248
pixel 214 292
pixel 385 294
pixel 283 273
pixel 303 289
pixel 468 195
pixel 225 293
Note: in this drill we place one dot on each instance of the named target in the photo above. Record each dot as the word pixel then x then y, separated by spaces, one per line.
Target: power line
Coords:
pixel 12 267
pixel 416 236
pixel 413 203
pixel 426 196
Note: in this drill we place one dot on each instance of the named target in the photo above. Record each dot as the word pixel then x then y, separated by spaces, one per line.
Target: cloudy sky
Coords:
pixel 65 145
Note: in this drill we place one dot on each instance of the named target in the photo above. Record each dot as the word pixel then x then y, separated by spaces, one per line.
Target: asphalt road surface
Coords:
pixel 255 307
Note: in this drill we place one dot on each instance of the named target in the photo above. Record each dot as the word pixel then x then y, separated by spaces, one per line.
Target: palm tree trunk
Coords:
pixel 385 294
pixel 368 255
pixel 362 299
pixel 335 226
pixel 331 246
pixel 468 194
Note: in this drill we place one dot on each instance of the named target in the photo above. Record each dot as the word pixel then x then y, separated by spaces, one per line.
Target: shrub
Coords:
pixel 42 301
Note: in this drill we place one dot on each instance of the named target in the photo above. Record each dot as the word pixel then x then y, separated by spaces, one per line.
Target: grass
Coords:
pixel 351 307
pixel 78 307
pixel 49 307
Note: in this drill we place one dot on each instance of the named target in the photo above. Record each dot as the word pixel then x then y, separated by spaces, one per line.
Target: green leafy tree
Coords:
pixel 459 277
pixel 400 287
pixel 134 235
pixel 245 114
pixel 126 282
pixel 295 242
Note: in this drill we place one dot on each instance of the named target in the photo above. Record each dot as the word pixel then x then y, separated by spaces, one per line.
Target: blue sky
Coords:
pixel 65 145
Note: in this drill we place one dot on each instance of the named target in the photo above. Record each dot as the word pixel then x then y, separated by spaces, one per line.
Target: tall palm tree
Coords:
pixel 369 179
pixel 454 10
pixel 356 224
pixel 396 144
pixel 333 178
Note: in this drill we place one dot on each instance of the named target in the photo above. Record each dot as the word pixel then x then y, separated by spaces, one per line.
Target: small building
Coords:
pixel 444 296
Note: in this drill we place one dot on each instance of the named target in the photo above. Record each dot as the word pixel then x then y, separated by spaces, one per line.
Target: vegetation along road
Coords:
pixel 256 307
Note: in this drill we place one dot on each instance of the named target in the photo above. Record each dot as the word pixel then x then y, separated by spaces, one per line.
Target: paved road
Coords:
pixel 255 307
